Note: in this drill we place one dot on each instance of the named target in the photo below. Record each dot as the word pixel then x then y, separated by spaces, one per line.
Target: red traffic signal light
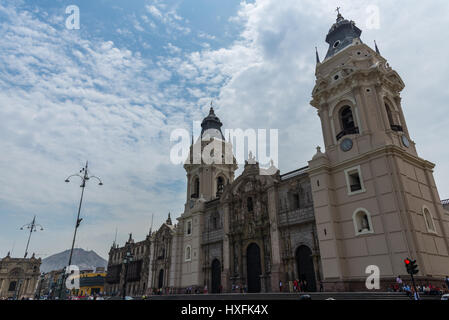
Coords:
pixel 411 266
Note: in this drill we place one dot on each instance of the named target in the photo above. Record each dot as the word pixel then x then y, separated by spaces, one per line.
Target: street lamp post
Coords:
pixel 127 260
pixel 32 226
pixel 84 175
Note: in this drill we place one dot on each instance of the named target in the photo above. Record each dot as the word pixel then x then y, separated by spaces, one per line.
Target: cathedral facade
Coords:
pixel 368 199
pixel 19 277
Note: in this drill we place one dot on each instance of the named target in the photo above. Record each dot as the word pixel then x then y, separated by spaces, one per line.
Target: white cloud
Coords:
pixel 266 76
pixel 154 11
pixel 65 99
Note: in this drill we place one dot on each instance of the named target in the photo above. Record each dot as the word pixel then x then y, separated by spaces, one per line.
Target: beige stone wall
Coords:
pixel 24 272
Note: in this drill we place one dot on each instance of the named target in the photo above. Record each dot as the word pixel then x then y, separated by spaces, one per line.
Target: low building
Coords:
pixel 91 283
pixel 19 277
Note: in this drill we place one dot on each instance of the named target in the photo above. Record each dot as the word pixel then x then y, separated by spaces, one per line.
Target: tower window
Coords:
pixel 430 224
pixel 249 204
pixel 393 126
pixel 296 201
pixel 389 114
pixel 362 222
pixel 196 188
pixel 220 186
pixel 347 122
pixel 354 180
pixel 189 227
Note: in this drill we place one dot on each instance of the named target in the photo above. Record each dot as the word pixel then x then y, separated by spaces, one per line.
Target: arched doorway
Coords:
pixel 161 279
pixel 216 276
pixel 305 267
pixel 254 269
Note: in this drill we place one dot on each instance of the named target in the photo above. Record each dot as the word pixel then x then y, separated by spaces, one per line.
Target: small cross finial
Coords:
pixel 338 10
pixel 211 107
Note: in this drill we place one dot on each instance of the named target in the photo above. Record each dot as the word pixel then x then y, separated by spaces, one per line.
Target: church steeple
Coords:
pixel 341 35
pixel 168 222
pixel 211 126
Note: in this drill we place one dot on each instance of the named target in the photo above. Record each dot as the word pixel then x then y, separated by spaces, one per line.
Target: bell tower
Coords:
pixel 375 199
pixel 211 164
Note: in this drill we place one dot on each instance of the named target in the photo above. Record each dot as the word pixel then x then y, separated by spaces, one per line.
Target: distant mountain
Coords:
pixel 82 258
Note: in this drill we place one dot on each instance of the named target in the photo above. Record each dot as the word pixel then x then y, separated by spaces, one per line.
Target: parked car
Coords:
pixel 445 297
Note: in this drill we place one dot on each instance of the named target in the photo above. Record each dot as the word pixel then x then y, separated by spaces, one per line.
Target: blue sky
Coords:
pixel 113 91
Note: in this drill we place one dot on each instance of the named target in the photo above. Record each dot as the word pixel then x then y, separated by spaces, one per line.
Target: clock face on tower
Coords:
pixel 346 145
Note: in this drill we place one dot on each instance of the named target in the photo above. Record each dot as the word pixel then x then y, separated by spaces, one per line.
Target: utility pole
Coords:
pixel 84 175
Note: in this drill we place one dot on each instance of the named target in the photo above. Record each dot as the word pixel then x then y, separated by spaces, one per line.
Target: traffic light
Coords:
pixel 411 266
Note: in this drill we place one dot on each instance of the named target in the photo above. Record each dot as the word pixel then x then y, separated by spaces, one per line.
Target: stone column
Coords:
pixel 274 236
pixel 228 254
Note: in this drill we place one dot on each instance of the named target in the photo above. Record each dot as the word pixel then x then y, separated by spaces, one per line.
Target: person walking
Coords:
pixel 399 281
pixel 280 285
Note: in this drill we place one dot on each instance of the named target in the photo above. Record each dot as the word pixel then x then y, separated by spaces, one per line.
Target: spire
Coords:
pixel 151 226
pixel 317 56
pixel 115 238
pixel 341 35
pixel 130 238
pixel 168 220
pixel 211 125
pixel 377 48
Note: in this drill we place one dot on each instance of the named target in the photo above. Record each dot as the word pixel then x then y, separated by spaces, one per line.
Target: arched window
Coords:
pixel 249 204
pixel 188 255
pixel 347 119
pixel 389 114
pixel 196 188
pixel 12 286
pixel 362 222
pixel 295 201
pixel 220 186
pixel 430 224
pixel 347 122
pixel 393 125
pixel 189 227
